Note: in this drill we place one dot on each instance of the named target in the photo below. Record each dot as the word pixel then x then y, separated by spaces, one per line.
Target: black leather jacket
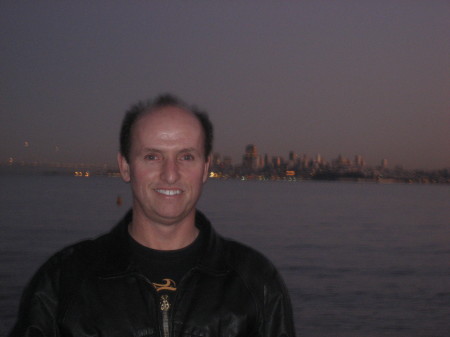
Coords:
pixel 92 289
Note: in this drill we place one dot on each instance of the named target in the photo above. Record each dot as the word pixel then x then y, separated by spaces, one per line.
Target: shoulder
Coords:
pixel 50 289
pixel 227 253
pixel 64 271
pixel 243 257
pixel 60 263
pixel 104 254
pixel 258 274
pixel 266 286
pixel 48 284
pixel 253 268
pixel 75 260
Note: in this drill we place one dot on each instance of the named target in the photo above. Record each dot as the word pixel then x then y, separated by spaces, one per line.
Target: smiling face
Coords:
pixel 166 168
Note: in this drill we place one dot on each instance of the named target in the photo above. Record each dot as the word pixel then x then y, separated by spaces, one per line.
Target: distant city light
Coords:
pixel 81 174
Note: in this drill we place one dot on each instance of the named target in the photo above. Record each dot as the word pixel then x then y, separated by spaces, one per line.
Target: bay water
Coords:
pixel 359 259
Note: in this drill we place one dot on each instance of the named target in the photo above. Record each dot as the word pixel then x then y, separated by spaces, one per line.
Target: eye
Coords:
pixel 187 156
pixel 151 156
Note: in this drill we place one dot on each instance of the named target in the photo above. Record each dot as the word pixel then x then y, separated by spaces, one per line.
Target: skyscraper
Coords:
pixel 250 159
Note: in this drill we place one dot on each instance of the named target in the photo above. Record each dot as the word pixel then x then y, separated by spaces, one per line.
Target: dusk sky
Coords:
pixel 332 77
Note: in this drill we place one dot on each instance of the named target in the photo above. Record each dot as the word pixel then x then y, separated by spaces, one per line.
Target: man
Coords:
pixel 163 270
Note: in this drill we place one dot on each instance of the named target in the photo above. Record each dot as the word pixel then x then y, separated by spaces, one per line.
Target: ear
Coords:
pixel 206 168
pixel 124 168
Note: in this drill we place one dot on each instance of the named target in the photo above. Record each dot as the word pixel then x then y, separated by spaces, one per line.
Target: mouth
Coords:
pixel 168 192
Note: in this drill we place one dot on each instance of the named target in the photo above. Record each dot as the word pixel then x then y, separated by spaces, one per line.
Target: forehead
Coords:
pixel 172 122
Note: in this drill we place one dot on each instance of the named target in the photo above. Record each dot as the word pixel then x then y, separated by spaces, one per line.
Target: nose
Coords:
pixel 170 171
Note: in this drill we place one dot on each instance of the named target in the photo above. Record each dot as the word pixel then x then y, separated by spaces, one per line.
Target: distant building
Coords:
pixel 292 156
pixel 318 159
pixel 341 162
pixel 250 159
pixel 277 161
pixel 266 161
pixel 293 161
pixel 359 161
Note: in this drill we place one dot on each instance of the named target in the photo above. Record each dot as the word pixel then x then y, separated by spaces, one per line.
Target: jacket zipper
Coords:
pixel 175 299
pixel 165 306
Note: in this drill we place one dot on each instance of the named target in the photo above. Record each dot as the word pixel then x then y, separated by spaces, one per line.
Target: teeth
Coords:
pixel 169 192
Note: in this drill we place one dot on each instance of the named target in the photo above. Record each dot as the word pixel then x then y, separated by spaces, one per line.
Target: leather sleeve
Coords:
pixel 277 308
pixel 275 318
pixel 38 306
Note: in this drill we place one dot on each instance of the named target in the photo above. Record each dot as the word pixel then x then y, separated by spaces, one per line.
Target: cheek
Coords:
pixel 193 176
pixel 143 172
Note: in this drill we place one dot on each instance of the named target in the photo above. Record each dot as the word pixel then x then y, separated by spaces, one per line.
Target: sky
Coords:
pixel 348 78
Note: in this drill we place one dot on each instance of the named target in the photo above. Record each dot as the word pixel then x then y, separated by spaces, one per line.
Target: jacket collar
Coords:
pixel 110 254
pixel 213 260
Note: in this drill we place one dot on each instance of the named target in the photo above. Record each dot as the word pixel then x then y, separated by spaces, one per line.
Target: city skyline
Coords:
pixel 261 167
pixel 28 157
pixel 354 77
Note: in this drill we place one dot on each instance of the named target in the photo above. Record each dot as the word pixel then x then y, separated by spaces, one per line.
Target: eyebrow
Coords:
pixel 149 149
pixel 189 149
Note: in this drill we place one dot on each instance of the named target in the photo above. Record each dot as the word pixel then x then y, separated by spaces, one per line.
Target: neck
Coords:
pixel 162 236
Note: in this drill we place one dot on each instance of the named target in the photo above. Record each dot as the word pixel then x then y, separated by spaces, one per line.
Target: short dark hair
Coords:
pixel 161 101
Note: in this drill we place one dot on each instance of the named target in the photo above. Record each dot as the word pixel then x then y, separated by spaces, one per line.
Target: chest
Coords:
pixel 130 306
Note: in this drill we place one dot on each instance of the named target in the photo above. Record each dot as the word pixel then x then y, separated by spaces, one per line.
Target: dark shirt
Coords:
pixel 165 268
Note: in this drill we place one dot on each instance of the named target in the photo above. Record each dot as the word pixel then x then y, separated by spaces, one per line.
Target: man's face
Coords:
pixel 167 166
